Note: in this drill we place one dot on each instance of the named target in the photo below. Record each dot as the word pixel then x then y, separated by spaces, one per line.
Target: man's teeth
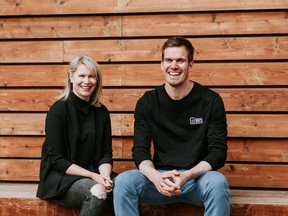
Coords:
pixel 174 74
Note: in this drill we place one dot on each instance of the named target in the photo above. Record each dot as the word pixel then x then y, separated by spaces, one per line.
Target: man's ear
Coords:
pixel 161 65
pixel 191 64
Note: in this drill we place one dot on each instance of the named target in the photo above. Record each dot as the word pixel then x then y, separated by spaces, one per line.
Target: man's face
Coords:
pixel 175 65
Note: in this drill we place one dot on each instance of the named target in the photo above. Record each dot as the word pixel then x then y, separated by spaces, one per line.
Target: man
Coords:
pixel 187 124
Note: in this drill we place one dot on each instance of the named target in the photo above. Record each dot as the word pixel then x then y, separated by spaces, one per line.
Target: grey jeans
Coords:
pixel 79 196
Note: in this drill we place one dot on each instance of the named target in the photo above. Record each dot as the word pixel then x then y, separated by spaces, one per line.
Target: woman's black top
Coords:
pixel 76 133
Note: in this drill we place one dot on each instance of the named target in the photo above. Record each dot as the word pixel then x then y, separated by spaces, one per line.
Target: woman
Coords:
pixel 77 151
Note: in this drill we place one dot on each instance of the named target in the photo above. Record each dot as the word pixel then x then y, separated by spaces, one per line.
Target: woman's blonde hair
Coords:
pixel 94 68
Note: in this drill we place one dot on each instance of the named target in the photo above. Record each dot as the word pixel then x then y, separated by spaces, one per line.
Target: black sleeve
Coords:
pixel 142 134
pixel 217 135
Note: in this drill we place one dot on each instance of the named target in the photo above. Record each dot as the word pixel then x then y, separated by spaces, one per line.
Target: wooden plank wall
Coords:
pixel 241 52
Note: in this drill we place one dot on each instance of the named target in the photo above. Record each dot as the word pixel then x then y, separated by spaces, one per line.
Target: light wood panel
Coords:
pixel 245 150
pixel 238 175
pixel 124 100
pixel 136 50
pixel 206 24
pixel 60 27
pixel 239 125
pixel 131 6
pixel 228 48
pixel 118 75
pixel 43 51
pixel 220 23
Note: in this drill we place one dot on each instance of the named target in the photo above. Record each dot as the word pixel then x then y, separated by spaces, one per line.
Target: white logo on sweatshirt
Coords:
pixel 196 121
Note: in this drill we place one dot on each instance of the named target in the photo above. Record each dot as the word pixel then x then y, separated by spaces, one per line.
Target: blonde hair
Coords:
pixel 94 68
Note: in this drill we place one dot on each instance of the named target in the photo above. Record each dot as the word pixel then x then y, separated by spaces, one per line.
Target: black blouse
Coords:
pixel 76 133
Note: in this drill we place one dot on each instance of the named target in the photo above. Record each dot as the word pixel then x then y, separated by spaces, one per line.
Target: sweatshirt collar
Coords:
pixel 79 103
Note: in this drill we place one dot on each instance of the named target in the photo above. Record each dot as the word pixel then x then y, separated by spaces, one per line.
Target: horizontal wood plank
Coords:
pixel 206 24
pixel 239 125
pixel 145 25
pixel 244 150
pixel 31 146
pixel 119 6
pixel 121 100
pixel 27 51
pixel 238 175
pixel 60 27
pixel 118 75
pixel 135 50
pixel 228 48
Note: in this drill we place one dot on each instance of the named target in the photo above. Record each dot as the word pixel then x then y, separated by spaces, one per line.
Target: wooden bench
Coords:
pixel 241 53
pixel 19 199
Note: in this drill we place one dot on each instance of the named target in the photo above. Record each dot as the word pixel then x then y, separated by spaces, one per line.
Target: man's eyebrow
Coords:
pixel 167 58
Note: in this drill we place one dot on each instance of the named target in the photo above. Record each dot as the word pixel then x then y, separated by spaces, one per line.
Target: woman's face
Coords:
pixel 83 82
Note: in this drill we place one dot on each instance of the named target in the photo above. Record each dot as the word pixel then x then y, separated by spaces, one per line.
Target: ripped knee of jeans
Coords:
pixel 99 191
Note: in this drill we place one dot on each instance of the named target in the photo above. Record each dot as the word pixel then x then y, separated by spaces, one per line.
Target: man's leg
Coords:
pixel 210 190
pixel 131 189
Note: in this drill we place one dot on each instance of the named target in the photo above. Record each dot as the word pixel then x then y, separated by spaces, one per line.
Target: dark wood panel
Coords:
pixel 250 99
pixel 239 125
pixel 132 6
pixel 212 74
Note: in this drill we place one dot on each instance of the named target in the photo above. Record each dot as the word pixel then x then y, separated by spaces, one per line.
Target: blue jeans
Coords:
pixel 210 190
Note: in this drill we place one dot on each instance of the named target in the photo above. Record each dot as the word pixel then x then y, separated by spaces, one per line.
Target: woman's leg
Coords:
pixel 79 196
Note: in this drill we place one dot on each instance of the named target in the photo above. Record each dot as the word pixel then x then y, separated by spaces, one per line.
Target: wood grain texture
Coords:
pixel 138 75
pixel 125 99
pixel 239 125
pixel 132 6
pixel 239 150
pixel 136 50
pixel 238 175
pixel 106 26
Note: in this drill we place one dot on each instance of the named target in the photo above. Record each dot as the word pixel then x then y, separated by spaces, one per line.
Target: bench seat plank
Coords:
pixel 19 199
